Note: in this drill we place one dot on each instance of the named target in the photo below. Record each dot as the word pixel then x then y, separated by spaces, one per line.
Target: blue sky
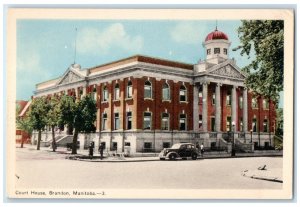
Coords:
pixel 45 48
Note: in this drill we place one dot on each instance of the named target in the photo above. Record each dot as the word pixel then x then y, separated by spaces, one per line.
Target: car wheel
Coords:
pixel 162 158
pixel 172 156
pixel 194 156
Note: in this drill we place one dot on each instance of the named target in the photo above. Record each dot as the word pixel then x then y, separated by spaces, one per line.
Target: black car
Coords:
pixel 180 150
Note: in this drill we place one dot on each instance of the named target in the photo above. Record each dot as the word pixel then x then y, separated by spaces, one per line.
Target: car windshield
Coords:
pixel 176 146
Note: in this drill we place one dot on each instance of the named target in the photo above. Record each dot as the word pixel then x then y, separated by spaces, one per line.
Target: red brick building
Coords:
pixel 147 103
pixel 22 107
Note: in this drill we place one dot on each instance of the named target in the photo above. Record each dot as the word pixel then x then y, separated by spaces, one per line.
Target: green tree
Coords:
pixel 53 116
pixel 279 122
pixel 79 115
pixel 23 123
pixel 37 116
pixel 265 39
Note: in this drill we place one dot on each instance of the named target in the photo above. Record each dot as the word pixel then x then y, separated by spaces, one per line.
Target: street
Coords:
pixel 44 169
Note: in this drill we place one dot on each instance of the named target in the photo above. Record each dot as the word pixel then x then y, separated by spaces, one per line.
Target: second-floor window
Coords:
pixel 117 92
pixel 166 92
pixel 228 98
pixel 254 103
pixel 105 94
pixel 147 90
pixel 129 90
pixel 182 93
pixel 265 104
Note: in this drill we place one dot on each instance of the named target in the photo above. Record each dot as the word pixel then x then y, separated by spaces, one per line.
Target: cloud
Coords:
pixel 114 37
pixel 188 32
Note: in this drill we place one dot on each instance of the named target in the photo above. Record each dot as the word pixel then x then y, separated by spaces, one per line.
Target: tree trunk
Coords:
pixel 53 139
pixel 22 140
pixel 74 146
pixel 39 140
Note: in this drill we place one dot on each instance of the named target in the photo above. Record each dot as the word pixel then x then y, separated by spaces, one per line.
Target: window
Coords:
pixel 104 145
pixel 117 121
pixel 104 121
pixel 166 144
pixel 254 124
pixel 165 121
pixel 228 123
pixel 208 51
pixel 254 103
pixel 81 93
pixel 228 98
pixel 166 92
pixel 127 144
pixel 265 104
pixel 241 124
pixel 182 122
pixel 216 50
pixel 117 92
pixel 129 89
pixel 182 93
pixel 147 146
pixel 213 99
pixel 105 94
pixel 129 120
pixel 213 124
pixel 241 102
pixel 200 121
pixel 114 145
pixel 200 94
pixel 147 90
pixel 265 125
pixel 225 51
pixel 147 120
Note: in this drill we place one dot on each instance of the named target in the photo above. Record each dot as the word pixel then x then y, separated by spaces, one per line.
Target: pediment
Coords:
pixel 70 77
pixel 227 71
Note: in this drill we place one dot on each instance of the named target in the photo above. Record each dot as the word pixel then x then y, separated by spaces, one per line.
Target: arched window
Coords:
pixel 147 90
pixel 183 93
pixel 166 92
pixel 129 90
pixel 105 94
pixel 117 92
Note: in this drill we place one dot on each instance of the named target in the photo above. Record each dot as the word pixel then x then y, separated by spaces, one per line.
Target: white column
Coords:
pixel 84 91
pixel 196 107
pixel 233 107
pixel 245 110
pixel 218 107
pixel 204 105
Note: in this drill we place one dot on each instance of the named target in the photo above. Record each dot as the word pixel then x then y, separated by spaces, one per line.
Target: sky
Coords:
pixel 46 48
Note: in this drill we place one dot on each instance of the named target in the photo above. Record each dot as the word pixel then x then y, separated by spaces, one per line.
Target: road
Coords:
pixel 40 169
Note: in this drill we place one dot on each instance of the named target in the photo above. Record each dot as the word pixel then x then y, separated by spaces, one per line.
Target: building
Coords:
pixel 146 103
pixel 22 108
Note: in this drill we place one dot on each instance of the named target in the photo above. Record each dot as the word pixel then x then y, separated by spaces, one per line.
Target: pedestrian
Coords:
pixel 198 147
pixel 91 150
pixel 101 151
pixel 202 150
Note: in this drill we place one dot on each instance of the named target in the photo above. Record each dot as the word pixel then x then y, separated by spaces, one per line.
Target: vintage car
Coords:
pixel 179 150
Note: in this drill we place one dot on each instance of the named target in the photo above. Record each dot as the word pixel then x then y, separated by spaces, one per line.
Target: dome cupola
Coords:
pixel 216 46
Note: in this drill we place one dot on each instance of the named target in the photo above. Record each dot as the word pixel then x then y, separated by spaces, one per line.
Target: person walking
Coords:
pixel 198 147
pixel 91 150
pixel 202 149
pixel 101 151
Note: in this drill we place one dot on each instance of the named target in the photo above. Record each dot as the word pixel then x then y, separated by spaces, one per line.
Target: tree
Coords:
pixel 53 116
pixel 79 115
pixel 23 123
pixel 265 72
pixel 279 122
pixel 37 116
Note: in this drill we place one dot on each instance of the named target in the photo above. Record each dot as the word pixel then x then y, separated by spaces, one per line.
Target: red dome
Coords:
pixel 216 35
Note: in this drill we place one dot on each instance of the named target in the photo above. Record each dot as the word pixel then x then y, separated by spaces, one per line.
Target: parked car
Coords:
pixel 180 150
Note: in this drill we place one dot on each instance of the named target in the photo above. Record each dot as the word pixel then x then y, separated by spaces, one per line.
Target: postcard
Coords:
pixel 149 103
